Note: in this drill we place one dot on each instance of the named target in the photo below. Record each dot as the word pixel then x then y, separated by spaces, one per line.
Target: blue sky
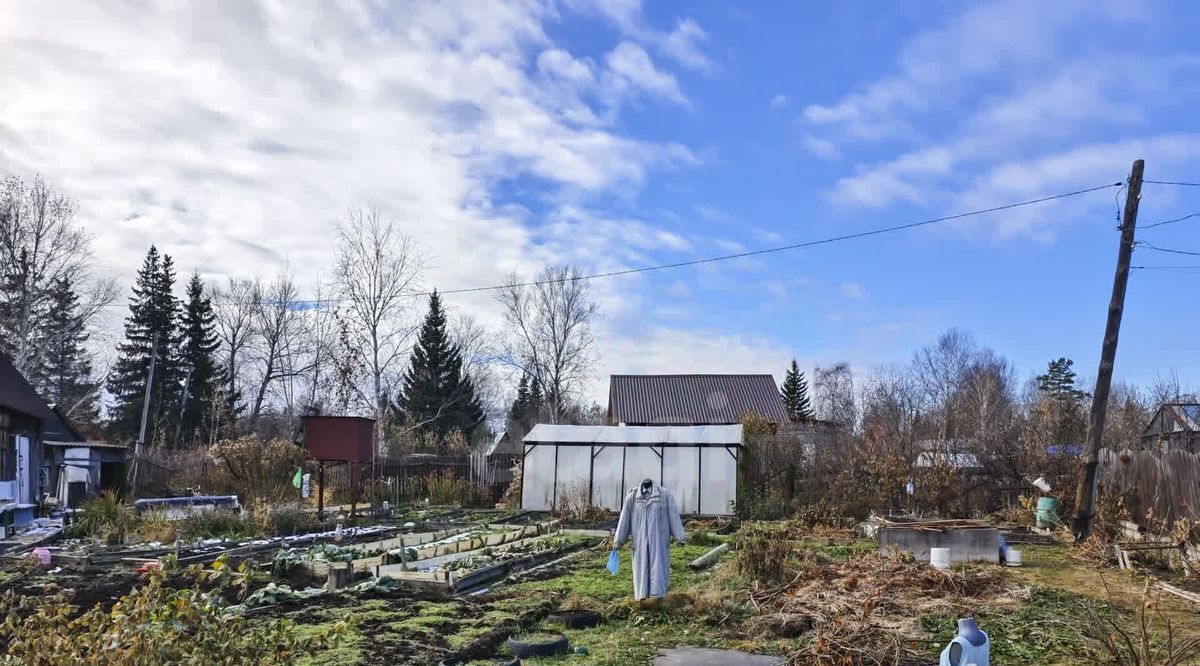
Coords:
pixel 503 136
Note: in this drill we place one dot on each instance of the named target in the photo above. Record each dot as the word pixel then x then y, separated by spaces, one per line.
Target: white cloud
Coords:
pixel 681 44
pixel 232 136
pixel 632 68
pixel 779 101
pixel 852 290
pixel 822 148
pixel 714 214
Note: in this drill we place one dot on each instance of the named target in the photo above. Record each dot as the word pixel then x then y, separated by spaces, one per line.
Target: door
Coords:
pixel 25 477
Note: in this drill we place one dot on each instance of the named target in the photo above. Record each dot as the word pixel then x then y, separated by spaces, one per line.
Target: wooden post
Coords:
pixel 338 575
pixel 1085 494
pixel 321 490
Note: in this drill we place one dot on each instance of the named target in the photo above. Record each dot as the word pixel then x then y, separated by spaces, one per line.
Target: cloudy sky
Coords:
pixel 503 136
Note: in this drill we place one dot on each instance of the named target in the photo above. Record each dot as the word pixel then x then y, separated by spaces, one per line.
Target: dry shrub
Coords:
pixel 574 506
pixel 767 558
pixel 512 494
pixel 255 470
pixel 154 525
pixel 285 519
pixel 446 487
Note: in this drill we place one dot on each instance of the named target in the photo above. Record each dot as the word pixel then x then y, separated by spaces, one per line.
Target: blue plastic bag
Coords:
pixel 614 562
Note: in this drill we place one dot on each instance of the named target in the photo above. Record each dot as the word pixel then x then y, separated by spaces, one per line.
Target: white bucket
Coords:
pixel 939 558
pixel 1012 557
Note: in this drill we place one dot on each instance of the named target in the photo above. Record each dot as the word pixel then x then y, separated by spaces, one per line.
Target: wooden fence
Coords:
pixel 1155 486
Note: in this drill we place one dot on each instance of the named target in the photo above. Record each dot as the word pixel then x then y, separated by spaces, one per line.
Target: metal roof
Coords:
pixel 692 399
pixel 635 435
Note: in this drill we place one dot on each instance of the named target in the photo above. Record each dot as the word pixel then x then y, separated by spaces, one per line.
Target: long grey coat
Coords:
pixel 651 520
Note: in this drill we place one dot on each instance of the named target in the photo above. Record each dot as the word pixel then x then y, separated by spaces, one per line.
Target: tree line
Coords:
pixel 251 355
pixel 955 422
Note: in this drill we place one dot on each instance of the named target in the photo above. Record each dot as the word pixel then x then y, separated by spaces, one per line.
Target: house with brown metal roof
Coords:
pixel 690 400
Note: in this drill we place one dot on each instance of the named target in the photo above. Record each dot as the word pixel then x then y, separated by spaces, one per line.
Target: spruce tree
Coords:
pixel 435 395
pixel 153 310
pixel 520 404
pixel 65 380
pixel 795 394
pixel 202 376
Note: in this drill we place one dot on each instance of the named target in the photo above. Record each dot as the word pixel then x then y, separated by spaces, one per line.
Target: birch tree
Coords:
pixel 41 246
pixel 236 308
pixel 376 271
pixel 550 337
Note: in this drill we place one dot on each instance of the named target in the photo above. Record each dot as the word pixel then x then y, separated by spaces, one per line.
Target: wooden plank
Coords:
pixel 1182 594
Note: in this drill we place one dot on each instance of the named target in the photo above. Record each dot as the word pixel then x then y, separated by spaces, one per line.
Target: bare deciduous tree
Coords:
pixel 277 320
pixel 835 394
pixel 41 245
pixel 550 333
pixel 236 309
pixel 375 274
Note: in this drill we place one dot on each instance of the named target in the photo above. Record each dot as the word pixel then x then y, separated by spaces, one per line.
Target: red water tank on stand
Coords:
pixel 340 439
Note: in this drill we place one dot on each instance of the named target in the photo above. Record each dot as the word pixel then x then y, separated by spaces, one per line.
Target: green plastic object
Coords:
pixel 1047 513
pixel 579 649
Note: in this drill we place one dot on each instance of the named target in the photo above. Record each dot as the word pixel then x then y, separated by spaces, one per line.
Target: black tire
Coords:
pixel 550 648
pixel 575 619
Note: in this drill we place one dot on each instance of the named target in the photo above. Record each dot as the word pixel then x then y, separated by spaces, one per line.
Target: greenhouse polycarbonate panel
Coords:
pixel 537 478
pixel 680 476
pixel 574 470
pixel 607 479
pixel 641 462
pixel 718 481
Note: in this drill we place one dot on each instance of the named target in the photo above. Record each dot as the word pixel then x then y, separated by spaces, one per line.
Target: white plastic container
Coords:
pixel 939 558
pixel 1012 557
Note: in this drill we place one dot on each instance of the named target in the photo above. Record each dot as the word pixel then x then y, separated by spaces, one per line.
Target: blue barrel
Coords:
pixel 1046 511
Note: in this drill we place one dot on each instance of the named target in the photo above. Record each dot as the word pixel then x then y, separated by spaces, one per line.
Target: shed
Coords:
pixel 1176 425
pixel 699 464
pixel 693 399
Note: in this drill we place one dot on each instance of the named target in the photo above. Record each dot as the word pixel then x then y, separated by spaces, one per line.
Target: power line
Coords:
pixel 1178 219
pixel 752 253
pixel 795 246
pixel 1171 182
pixel 1177 269
pixel 1167 249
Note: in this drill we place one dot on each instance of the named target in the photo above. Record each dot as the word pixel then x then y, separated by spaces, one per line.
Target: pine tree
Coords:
pixel 435 396
pixel 65 380
pixel 1059 381
pixel 795 394
pixel 519 410
pixel 202 376
pixel 154 310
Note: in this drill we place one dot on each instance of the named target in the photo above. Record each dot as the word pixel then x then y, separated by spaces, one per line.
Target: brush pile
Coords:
pixel 865 610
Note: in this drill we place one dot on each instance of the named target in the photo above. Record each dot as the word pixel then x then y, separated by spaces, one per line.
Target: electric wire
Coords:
pixel 742 255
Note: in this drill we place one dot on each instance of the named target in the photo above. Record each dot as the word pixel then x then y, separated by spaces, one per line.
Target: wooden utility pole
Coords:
pixel 1085 494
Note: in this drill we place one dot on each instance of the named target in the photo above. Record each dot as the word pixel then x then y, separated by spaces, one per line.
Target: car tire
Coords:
pixel 550 648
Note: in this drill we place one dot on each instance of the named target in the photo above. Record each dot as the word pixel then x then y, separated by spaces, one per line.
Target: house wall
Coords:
pixel 20 457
